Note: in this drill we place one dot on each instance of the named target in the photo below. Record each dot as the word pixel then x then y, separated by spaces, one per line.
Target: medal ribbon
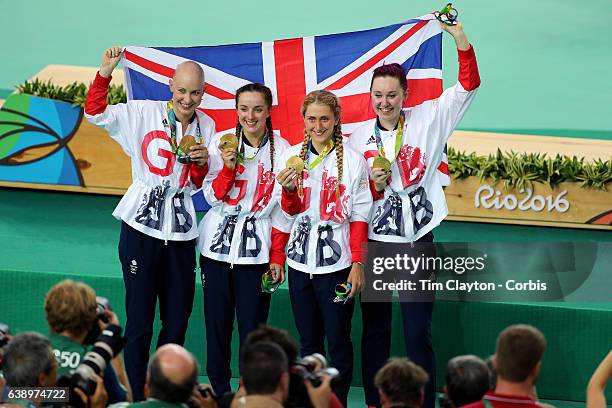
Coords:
pixel 342 292
pixel 172 123
pixel 267 283
pixel 398 138
pixel 241 157
pixel 320 157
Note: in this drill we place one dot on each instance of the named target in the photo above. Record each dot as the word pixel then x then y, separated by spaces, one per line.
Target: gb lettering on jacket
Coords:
pixel 333 200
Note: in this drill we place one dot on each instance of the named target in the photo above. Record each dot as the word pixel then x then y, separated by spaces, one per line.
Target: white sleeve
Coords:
pixel 120 121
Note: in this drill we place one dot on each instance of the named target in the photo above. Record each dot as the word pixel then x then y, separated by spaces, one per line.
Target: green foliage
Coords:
pixel 74 93
pixel 520 171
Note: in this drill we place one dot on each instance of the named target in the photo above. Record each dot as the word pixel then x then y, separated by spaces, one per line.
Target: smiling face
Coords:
pixel 187 87
pixel 387 98
pixel 319 122
pixel 252 111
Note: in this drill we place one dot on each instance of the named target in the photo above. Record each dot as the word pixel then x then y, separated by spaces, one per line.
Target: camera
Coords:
pixel 221 401
pixel 306 369
pixel 102 305
pixel 108 344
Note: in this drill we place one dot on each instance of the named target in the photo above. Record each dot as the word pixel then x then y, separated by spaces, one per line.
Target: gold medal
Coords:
pixel 296 163
pixel 186 142
pixel 381 163
pixel 228 141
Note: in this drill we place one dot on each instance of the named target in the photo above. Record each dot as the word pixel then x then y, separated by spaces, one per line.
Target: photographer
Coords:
pixel 401 384
pixel 29 362
pixel 75 322
pixel 299 394
pixel 467 381
pixel 264 376
pixel 171 379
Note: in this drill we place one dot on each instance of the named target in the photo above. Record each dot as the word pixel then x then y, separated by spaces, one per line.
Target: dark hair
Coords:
pixel 267 94
pixel 519 349
pixel 401 381
pixel 161 388
pixel 323 97
pixel 391 70
pixel 275 335
pixel 263 363
pixel 467 379
pixel 492 372
pixel 27 355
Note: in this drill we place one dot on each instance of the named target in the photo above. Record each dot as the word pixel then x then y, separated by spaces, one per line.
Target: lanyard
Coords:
pixel 398 138
pixel 320 157
pixel 172 124
pixel 241 157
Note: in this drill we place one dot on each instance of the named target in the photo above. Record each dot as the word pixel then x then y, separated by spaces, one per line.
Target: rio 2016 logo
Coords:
pixel 488 197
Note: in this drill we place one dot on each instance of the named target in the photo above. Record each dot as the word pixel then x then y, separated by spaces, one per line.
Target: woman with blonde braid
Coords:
pixel 330 200
pixel 237 234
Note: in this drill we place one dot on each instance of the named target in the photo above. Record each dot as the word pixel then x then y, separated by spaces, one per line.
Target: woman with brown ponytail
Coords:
pixel 237 233
pixel 330 200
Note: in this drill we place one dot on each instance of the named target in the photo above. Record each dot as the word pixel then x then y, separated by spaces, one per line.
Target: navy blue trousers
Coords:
pixel 376 339
pixel 154 269
pixel 228 291
pixel 317 317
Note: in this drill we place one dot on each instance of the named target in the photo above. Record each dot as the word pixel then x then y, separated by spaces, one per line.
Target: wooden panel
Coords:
pixel 102 162
pixel 67 74
pixel 568 205
pixel 484 143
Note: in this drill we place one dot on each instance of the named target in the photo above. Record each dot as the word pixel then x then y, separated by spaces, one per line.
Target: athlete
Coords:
pixel 330 201
pixel 158 228
pixel 237 235
pixel 408 197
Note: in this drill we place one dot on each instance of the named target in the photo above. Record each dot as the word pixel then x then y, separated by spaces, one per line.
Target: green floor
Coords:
pixel 48 236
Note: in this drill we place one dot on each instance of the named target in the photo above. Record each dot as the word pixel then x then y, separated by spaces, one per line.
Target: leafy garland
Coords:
pixel 517 171
pixel 74 93
pixel 520 171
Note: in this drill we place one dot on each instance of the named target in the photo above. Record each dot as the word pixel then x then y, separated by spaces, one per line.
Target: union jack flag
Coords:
pixel 342 63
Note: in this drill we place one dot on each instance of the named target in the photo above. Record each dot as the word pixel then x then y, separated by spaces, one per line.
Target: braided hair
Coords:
pixel 267 94
pixel 327 98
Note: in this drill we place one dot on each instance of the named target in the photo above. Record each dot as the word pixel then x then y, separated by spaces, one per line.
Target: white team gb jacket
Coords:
pixel 158 202
pixel 413 203
pixel 237 229
pixel 320 236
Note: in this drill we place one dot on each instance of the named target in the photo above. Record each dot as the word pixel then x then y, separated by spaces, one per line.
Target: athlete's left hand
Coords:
pixel 461 40
pixel 356 279
pixel 278 272
pixel 199 154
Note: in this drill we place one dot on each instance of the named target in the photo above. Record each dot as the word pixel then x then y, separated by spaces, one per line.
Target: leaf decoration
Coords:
pixel 74 93
pixel 520 171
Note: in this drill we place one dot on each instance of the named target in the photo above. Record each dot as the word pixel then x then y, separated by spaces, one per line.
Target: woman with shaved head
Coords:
pixel 166 141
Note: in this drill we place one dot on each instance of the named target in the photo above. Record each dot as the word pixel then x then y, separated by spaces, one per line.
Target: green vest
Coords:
pixel 68 353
